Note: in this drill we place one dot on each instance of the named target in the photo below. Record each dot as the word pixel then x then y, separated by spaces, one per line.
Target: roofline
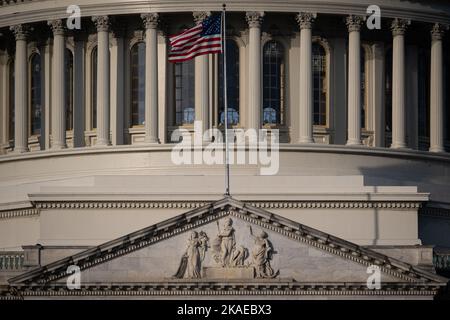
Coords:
pixel 191 219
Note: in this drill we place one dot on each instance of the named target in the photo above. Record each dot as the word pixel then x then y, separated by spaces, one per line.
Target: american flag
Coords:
pixel 202 39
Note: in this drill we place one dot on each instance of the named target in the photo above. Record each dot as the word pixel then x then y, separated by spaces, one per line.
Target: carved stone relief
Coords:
pixel 229 259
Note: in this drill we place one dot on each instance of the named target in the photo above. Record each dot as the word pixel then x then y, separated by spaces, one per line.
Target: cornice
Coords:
pixel 182 204
pixel 9 214
pixel 34 11
pixel 257 204
pixel 283 147
pixel 199 288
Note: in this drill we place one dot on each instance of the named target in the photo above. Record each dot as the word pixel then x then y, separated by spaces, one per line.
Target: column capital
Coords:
pixel 399 26
pixel 57 26
pixel 354 22
pixel 21 31
pixel 254 18
pixel 102 23
pixel 200 16
pixel 305 19
pixel 150 20
pixel 438 30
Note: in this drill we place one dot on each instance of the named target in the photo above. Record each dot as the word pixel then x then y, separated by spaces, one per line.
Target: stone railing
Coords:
pixel 8 2
pixel 441 261
pixel 10 261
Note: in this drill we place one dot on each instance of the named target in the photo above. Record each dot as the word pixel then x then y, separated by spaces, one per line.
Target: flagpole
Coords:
pixel 225 101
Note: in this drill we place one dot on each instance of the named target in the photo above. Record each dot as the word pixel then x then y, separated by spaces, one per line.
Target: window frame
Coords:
pixel 217 77
pixel 174 94
pixel 11 100
pixel 135 44
pixel 283 83
pixel 69 97
pixel 33 54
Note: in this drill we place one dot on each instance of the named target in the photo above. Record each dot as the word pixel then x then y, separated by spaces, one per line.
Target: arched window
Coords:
pixel 363 89
pixel 69 89
pixel 138 84
pixel 11 100
pixel 273 83
pixel 35 94
pixel 94 88
pixel 319 64
pixel 185 92
pixel 232 84
pixel 388 96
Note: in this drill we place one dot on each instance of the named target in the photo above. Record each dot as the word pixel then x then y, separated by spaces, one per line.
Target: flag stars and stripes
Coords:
pixel 204 38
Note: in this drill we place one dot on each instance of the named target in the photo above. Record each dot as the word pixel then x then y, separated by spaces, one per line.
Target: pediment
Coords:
pixel 228 242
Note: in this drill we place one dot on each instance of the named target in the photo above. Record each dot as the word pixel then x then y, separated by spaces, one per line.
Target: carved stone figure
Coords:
pixel 261 255
pixel 191 261
pixel 204 244
pixel 238 256
pixel 225 243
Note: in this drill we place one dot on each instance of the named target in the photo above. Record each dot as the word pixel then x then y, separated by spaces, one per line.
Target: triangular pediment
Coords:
pixel 228 242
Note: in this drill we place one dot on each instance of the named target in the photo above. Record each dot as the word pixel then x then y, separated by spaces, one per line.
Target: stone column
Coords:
pixel 202 81
pixel 398 28
pixel 58 86
pixel 305 21
pixel 354 80
pixel 437 90
pixel 254 20
pixel 20 89
pixel 103 81
pixel 151 77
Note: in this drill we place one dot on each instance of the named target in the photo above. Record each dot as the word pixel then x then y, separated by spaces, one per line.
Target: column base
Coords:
pixel 354 143
pixel 151 140
pixel 398 145
pixel 20 150
pixel 306 140
pixel 101 143
pixel 436 149
pixel 58 147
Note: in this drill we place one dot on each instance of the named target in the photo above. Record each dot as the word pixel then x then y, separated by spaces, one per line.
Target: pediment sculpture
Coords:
pixel 230 259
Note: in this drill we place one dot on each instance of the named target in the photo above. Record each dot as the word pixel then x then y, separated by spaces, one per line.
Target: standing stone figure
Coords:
pixel 204 244
pixel 262 254
pixel 225 243
pixel 190 263
pixel 193 255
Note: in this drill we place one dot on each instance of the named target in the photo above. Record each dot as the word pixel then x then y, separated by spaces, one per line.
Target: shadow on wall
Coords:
pixel 429 176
